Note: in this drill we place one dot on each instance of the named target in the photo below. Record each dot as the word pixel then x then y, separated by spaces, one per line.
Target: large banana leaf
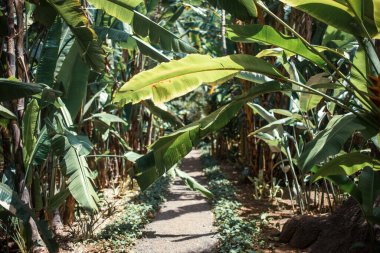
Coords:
pixel 176 78
pixel 268 35
pixel 122 36
pixel 168 150
pixel 192 183
pixel 337 14
pixel 29 125
pixel 10 89
pixel 142 25
pixel 376 13
pixel 121 9
pixel 331 140
pixel 346 165
pixel 75 167
pixel 145 27
pixel 49 54
pixel 73 76
pixel 6 114
pixel 242 9
pixel 71 11
pixel 369 186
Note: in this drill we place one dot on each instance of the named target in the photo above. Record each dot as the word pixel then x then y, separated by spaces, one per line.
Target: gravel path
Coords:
pixel 185 222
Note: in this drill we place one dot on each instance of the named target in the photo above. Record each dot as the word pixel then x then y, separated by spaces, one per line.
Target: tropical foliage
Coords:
pixel 95 94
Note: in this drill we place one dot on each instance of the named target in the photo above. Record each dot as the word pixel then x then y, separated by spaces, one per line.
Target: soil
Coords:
pixel 185 222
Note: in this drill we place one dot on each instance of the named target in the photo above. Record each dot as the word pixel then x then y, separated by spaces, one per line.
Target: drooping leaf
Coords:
pixel 193 184
pixel 10 89
pixel 75 167
pixel 107 118
pixel 331 140
pixel 376 13
pixel 142 25
pixel 336 14
pixel 6 114
pixel 73 76
pixel 347 165
pixel 346 185
pixel 49 54
pixel 29 125
pixel 158 35
pixel 132 156
pixel 71 11
pixel 310 101
pixel 242 9
pixel 58 199
pixel 162 114
pixel 268 35
pixel 176 78
pixel 168 150
pixel 369 186
pixel 121 9
pixel 122 36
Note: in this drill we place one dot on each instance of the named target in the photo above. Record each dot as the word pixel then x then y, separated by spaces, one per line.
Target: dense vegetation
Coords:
pixel 96 94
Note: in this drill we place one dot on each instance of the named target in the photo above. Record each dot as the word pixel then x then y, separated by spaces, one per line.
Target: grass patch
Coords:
pixel 235 234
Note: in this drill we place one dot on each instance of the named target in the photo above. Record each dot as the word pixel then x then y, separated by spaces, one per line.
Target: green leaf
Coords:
pixel 242 9
pixel 142 25
pixel 107 118
pixel 176 78
pixel 121 9
pixel 73 76
pixel 166 116
pixel 150 51
pixel 369 185
pixel 167 40
pixel 310 101
pixel 58 199
pixel 346 185
pixel 193 184
pixel 10 89
pixel 49 54
pixel 269 36
pixel 331 140
pixel 75 167
pixel 376 13
pixel 336 14
pixel 132 156
pixel 122 36
pixel 29 126
pixel 346 165
pixel 258 109
pixel 6 114
pixel 71 11
pixel 11 202
pixel 168 150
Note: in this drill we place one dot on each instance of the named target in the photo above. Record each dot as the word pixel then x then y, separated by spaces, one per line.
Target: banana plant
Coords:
pixel 176 78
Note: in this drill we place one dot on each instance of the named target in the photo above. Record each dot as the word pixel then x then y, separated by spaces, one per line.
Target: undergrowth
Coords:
pixel 120 236
pixel 235 234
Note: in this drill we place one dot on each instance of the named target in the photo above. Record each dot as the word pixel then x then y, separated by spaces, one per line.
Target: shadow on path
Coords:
pixel 185 222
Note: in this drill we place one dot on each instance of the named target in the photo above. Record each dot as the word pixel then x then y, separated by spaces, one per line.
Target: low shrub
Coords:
pixel 235 234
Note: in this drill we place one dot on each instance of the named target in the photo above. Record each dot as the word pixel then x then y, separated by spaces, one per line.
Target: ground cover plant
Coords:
pixel 235 233
pixel 100 95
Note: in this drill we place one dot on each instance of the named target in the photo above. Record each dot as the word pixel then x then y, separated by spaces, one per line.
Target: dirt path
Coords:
pixel 185 222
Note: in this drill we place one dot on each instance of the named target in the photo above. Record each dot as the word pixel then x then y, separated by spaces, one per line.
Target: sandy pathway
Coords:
pixel 184 223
